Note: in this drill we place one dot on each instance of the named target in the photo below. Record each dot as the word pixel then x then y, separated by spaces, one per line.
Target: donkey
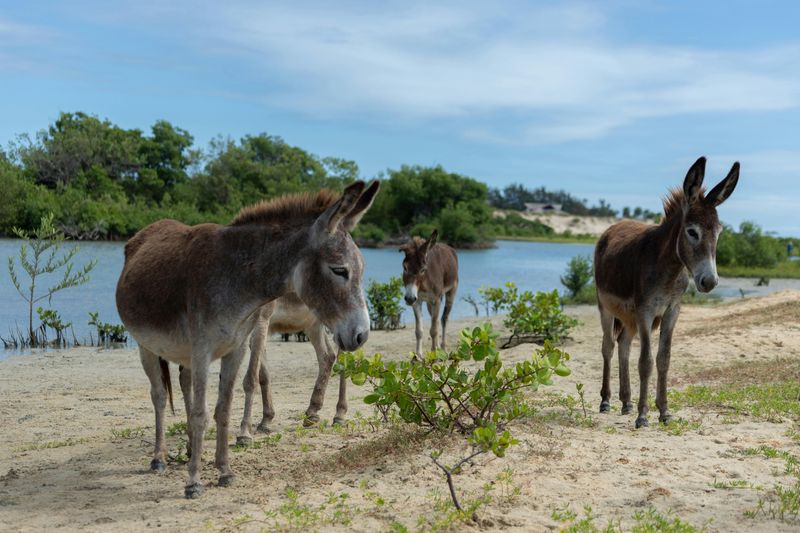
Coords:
pixel 430 271
pixel 641 272
pixel 289 316
pixel 192 294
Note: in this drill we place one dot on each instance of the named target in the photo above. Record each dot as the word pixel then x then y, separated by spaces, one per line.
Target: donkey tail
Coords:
pixel 165 379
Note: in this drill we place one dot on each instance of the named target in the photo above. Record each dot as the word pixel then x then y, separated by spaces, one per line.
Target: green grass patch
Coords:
pixel 51 444
pixel 767 401
pixel 649 521
pixel 781 502
pixel 679 426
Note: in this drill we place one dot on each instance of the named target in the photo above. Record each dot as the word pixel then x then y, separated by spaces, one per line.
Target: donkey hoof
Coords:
pixel 626 408
pixel 158 466
pixel 310 421
pixel 193 491
pixel 642 422
pixel 665 418
pixel 605 406
pixel 244 440
pixel 339 421
pixel 263 427
pixel 226 480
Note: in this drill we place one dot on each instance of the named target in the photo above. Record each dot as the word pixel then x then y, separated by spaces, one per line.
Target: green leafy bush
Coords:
pixel 383 301
pixel 530 317
pixel 749 247
pixel 578 274
pixel 52 319
pixel 38 258
pixel 107 333
pixel 467 390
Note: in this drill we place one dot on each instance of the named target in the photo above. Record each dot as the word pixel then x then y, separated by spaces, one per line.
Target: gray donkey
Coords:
pixel 641 274
pixel 192 294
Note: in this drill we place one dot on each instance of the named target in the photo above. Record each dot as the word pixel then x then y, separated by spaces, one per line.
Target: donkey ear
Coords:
pixel 433 238
pixel 330 219
pixel 724 188
pixel 360 208
pixel 694 180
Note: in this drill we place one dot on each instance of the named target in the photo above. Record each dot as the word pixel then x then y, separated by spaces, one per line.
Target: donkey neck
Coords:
pixel 669 259
pixel 265 262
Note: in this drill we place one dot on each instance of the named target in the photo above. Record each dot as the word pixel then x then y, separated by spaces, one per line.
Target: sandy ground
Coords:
pixel 76 427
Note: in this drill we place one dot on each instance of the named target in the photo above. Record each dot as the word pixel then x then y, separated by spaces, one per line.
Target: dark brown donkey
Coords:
pixel 430 271
pixel 641 272
pixel 192 294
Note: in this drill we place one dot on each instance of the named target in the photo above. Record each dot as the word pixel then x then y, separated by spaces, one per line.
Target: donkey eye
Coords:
pixel 340 271
pixel 693 233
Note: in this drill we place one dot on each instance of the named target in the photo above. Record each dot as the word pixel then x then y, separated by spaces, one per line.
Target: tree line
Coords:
pixel 101 181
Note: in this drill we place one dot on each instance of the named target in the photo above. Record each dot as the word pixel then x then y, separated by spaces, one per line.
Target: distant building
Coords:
pixel 531 207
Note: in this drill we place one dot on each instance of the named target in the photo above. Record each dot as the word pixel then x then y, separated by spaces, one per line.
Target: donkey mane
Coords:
pixel 413 243
pixel 288 209
pixel 675 199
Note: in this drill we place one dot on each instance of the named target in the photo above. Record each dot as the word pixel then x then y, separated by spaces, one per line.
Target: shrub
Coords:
pixel 107 333
pixel 383 300
pixel 37 258
pixel 530 317
pixel 749 247
pixel 369 233
pixel 438 393
pixel 578 274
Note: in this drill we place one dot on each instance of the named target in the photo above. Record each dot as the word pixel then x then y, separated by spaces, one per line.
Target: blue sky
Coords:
pixel 609 100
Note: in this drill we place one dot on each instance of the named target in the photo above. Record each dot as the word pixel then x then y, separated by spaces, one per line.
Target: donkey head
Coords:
pixel 415 264
pixel 328 277
pixel 697 242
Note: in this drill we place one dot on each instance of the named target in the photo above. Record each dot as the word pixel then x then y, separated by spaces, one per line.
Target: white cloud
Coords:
pixel 554 69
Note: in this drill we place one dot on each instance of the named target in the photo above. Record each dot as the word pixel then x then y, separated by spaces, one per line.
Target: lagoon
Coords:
pixel 531 265
pixel 534 266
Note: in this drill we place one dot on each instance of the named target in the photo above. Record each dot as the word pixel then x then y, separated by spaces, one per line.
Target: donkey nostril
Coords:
pixel 361 338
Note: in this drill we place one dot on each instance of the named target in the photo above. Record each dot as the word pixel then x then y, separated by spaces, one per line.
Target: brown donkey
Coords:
pixel 430 271
pixel 641 274
pixel 289 316
pixel 192 294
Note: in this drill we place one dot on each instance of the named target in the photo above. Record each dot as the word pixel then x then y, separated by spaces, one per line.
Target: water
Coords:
pixel 531 265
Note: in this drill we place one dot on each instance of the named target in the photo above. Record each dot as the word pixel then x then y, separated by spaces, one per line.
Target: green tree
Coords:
pixel 45 244
pixel 578 274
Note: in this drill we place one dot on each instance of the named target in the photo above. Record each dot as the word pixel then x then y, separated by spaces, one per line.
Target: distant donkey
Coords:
pixel 641 273
pixel 430 271
pixel 193 294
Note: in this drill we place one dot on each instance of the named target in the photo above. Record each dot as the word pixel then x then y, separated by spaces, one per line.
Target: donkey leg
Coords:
pixel 645 369
pixel 198 421
pixel 662 362
pixel 624 342
pixel 607 349
pixel 341 405
pixel 325 360
pixel 222 413
pixel 186 388
pixel 418 326
pixel 266 399
pixel 433 309
pixel 449 298
pixel 249 385
pixel 158 395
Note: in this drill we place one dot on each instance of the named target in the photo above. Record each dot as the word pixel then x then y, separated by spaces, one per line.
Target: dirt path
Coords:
pixel 74 448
